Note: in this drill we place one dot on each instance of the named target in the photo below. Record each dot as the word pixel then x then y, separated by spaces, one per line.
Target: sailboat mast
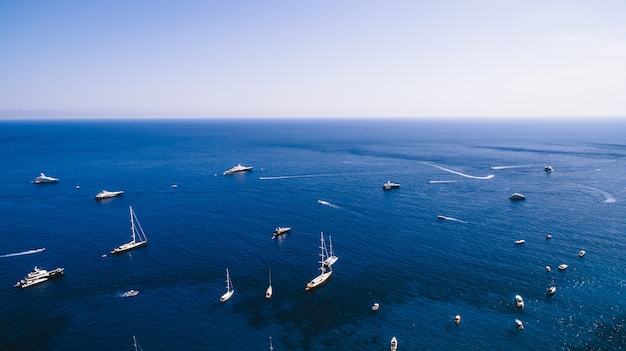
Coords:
pixel 271 348
pixel 132 224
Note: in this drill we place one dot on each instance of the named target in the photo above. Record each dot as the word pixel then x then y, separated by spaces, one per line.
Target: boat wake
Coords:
pixel 459 173
pixel 326 203
pixel 451 219
pixel 292 176
pixel 441 181
pixel 608 198
pixel 29 252
pixel 508 167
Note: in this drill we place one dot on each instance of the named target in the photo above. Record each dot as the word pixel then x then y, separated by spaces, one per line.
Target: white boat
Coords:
pixel 394 344
pixel 130 293
pixel 330 258
pixel 389 185
pixel 105 194
pixel 324 275
pixel 271 348
pixel 269 291
pixel 519 324
pixel 457 319
pixel 519 242
pixel 281 230
pixel 548 268
pixel 517 196
pixel 38 276
pixel 552 289
pixel 237 169
pixel 138 237
pixel 229 288
pixel 519 301
pixel 562 267
pixel 322 202
pixel 548 169
pixel 375 306
pixel 581 253
pixel 548 236
pixel 44 179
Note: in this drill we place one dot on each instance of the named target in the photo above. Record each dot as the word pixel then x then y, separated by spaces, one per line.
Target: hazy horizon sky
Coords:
pixel 456 58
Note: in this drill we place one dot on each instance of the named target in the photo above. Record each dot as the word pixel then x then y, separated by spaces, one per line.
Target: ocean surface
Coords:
pixel 392 247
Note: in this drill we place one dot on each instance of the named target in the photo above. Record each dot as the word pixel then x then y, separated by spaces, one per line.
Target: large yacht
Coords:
pixel 237 169
pixel 105 194
pixel 389 185
pixel 38 276
pixel 44 179
pixel 281 230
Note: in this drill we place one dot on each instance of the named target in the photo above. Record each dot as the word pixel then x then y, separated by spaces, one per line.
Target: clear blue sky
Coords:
pixel 231 58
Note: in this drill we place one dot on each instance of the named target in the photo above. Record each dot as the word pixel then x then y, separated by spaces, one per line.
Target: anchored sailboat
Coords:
pixel 137 235
pixel 323 277
pixel 331 258
pixel 268 292
pixel 229 288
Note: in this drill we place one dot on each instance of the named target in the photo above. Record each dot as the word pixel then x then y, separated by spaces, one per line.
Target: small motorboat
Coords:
pixel 548 169
pixel 130 293
pixel 562 267
pixel 281 230
pixel 457 319
pixel 548 236
pixel 519 301
pixel 394 344
pixel 390 185
pixel 581 253
pixel 375 306
pixel 551 290
pixel 548 268
pixel 519 324
pixel 441 217
pixel 517 196
pixel 519 242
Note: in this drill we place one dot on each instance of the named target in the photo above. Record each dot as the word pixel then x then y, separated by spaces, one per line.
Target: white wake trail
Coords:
pixel 292 176
pixel 459 173
pixel 29 252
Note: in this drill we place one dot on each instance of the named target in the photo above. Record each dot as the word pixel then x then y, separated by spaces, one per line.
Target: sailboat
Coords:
pixel 331 258
pixel 268 292
pixel 137 235
pixel 136 345
pixel 271 348
pixel 323 277
pixel 229 288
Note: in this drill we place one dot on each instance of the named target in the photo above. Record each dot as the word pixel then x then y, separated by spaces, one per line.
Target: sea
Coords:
pixel 393 247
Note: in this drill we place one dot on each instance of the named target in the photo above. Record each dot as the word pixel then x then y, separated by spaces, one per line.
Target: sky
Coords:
pixel 312 58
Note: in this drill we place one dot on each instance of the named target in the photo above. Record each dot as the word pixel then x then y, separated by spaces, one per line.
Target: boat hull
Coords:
pixel 318 281
pixel 128 246
pixel 227 295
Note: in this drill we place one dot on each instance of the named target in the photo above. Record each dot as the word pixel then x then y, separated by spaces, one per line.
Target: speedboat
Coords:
pixel 44 179
pixel 457 319
pixel 130 293
pixel 581 253
pixel 237 169
pixel 562 267
pixel 551 290
pixel 389 185
pixel 519 242
pixel 517 196
pixel 441 217
pixel 38 276
pixel 394 344
pixel 548 268
pixel 519 301
pixel 548 169
pixel 105 194
pixel 375 306
pixel 519 324
pixel 548 236
pixel 281 230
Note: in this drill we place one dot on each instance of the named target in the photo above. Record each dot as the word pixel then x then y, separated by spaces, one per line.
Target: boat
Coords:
pixel 105 194
pixel 138 237
pixel 519 324
pixel 389 185
pixel 271 348
pixel 269 291
pixel 519 242
pixel 330 258
pixel 322 202
pixel 548 236
pixel 38 276
pixel 441 217
pixel 519 301
pixel 551 290
pixel 517 196
pixel 237 169
pixel 281 230
pixel 457 319
pixel 562 267
pixel 130 293
pixel 136 344
pixel 394 344
pixel 324 275
pixel 375 306
pixel 548 169
pixel 581 253
pixel 548 268
pixel 42 178
pixel 229 288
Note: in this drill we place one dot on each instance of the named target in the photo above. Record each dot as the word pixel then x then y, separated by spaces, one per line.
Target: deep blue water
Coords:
pixel 392 248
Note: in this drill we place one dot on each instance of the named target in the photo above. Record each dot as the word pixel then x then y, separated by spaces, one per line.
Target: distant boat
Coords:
pixel 389 185
pixel 271 348
pixel 375 306
pixel 548 169
pixel 237 169
pixel 562 267
pixel 519 242
pixel 330 258
pixel 548 268
pixel 324 275
pixel 105 194
pixel 548 236
pixel 136 344
pixel 281 230
pixel 322 202
pixel 457 319
pixel 130 293
pixel 394 344
pixel 174 186
pixel 38 276
pixel 551 290
pixel 229 288
pixel 138 237
pixel 581 253
pixel 269 291
pixel 441 217
pixel 519 324
pixel 517 196
pixel 519 301
pixel 44 179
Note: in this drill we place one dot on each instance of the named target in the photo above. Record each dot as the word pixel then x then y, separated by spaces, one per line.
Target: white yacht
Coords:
pixel 394 344
pixel 519 324
pixel 105 194
pixel 237 169
pixel 138 237
pixel 281 230
pixel 551 290
pixel 389 185
pixel 38 276
pixel 517 196
pixel 45 179
pixel 562 267
pixel 519 301
pixel 229 288
pixel 375 306
pixel 324 275
pixel 519 242
pixel 581 253
pixel 130 293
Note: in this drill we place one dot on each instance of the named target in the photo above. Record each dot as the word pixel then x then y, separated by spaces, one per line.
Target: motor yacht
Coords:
pixel 237 169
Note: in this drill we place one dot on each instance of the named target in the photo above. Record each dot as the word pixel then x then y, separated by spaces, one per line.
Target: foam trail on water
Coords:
pixel 452 219
pixel 441 181
pixel 326 203
pixel 459 173
pixel 507 167
pixel 291 176
pixel 29 252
